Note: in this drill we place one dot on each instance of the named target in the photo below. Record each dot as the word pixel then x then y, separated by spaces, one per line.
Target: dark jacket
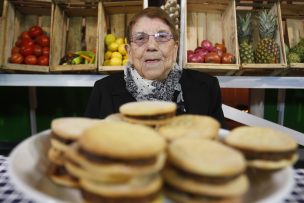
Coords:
pixel 201 94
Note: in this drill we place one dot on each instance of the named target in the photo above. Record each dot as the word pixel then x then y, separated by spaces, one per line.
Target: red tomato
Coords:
pixel 37 50
pixel 25 35
pixel 228 58
pixel 18 42
pixel 43 60
pixel 27 42
pixel 45 51
pixel 212 57
pixel 43 40
pixel 31 60
pixel 15 50
pixel 35 31
pixel 27 50
pixel 16 58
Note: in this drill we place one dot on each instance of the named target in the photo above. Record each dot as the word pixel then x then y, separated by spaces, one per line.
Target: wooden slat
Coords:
pixel 91 33
pixel 27 68
pixel 295 29
pixel 214 27
pixel 297 65
pixel 45 23
pixel 191 37
pixel 201 27
pixel 102 33
pixel 117 22
pixel 263 66
pixel 111 68
pixel 74 34
pixel 73 68
pixel 2 28
pixel 212 66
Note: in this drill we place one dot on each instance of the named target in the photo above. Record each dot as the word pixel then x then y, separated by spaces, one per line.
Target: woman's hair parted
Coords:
pixel 153 12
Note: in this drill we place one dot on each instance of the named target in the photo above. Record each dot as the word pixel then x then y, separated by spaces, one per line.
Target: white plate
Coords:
pixel 28 163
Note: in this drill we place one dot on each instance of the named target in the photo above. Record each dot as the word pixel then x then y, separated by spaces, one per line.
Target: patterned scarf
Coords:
pixel 143 89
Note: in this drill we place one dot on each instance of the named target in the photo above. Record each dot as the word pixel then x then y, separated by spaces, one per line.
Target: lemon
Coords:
pixel 115 61
pixel 121 49
pixel 106 63
pixel 108 55
pixel 113 46
pixel 119 41
pixel 125 61
pixel 126 41
pixel 109 38
pixel 116 55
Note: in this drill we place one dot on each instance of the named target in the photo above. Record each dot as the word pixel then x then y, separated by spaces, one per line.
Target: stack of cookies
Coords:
pixel 150 113
pixel 190 125
pixel 64 132
pixel 118 162
pixel 204 171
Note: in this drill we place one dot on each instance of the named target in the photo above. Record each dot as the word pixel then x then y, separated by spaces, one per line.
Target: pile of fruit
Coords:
pixel 115 54
pixel 267 50
pixel 207 53
pixel 78 57
pixel 32 48
pixel 296 53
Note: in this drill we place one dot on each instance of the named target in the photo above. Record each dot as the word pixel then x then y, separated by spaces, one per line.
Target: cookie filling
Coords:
pixel 61 139
pixel 108 160
pixel 95 198
pixel 57 170
pixel 152 117
pixel 197 197
pixel 269 156
pixel 205 179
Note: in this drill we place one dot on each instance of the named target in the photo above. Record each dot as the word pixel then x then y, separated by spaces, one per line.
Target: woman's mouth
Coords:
pixel 152 61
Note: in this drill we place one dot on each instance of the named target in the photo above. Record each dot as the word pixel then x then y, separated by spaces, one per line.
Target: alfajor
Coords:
pixel 204 171
pixel 264 148
pixel 190 125
pixel 118 162
pixel 151 113
pixel 65 131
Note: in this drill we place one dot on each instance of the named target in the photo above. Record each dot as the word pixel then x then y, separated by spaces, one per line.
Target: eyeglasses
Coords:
pixel 141 38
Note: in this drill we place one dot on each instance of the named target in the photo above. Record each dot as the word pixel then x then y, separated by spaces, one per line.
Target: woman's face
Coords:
pixel 153 60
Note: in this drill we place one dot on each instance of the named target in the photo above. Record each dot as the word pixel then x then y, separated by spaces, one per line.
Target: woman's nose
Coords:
pixel 152 43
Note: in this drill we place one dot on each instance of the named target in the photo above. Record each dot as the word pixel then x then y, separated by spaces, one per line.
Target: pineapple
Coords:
pixel 245 35
pixel 267 50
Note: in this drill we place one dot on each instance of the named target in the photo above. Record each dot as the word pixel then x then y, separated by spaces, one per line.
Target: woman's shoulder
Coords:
pixel 112 79
pixel 194 75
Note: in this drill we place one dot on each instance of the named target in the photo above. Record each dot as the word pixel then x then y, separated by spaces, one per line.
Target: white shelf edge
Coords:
pixel 88 80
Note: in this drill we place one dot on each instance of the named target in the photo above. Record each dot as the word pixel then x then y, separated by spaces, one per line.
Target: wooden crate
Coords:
pixel 212 20
pixel 1 41
pixel 115 16
pixel 254 7
pixel 19 16
pixel 293 18
pixel 75 28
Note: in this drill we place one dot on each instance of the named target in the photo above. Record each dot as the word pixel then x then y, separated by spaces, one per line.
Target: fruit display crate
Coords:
pixel 17 17
pixel 212 20
pixel 114 19
pixel 255 8
pixel 75 28
pixel 293 19
pixel 1 41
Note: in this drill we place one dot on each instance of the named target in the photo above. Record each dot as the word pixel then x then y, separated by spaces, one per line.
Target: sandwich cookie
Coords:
pixel 151 113
pixel 264 148
pixel 116 151
pixel 204 171
pixel 190 125
pixel 65 131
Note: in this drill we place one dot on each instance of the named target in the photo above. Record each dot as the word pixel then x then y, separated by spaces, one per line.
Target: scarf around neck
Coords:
pixel 142 89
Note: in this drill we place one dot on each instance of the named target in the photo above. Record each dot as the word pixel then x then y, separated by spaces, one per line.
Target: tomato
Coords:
pixel 15 50
pixel 228 58
pixel 31 60
pixel 27 50
pixel 220 47
pixel 43 60
pixel 212 57
pixel 45 51
pixel 18 42
pixel 43 40
pixel 16 58
pixel 27 42
pixel 37 50
pixel 25 35
pixel 35 31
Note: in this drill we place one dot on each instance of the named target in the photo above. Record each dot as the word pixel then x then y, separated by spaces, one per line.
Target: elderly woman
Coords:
pixel 153 74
